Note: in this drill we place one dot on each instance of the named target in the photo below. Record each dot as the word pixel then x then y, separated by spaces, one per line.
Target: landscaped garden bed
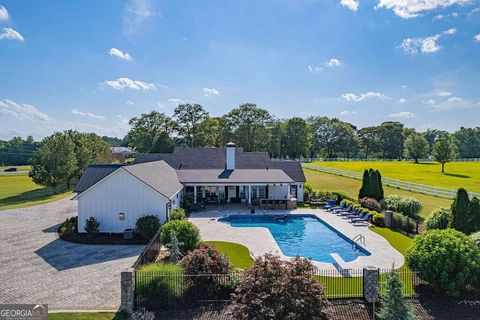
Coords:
pixel 101 238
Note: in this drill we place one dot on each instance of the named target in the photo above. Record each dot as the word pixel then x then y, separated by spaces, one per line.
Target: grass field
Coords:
pixel 457 174
pixel 330 182
pixel 87 316
pixel 19 168
pixel 238 255
pixel 18 191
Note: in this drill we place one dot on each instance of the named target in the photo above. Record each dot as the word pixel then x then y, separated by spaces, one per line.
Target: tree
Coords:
pixel 432 135
pixel 150 133
pixel 460 212
pixel 394 304
pixel 89 148
pixel 474 214
pixel 371 185
pixel 416 146
pixel 277 139
pixel 443 151
pixel 249 125
pixel 54 162
pixel 391 139
pixel 447 259
pixel 440 218
pixel 207 133
pixel 174 247
pixel 274 289
pixel 365 189
pixel 296 142
pixel 468 142
pixel 369 139
pixel 332 137
pixel 187 117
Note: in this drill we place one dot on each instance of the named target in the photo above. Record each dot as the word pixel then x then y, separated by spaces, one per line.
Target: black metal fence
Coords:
pixel 150 252
pixel 160 290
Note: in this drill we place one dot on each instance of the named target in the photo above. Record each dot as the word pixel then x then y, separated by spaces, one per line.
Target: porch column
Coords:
pixel 249 193
pixel 288 192
pixel 194 194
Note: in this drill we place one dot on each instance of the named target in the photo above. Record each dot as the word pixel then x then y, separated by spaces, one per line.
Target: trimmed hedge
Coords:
pixel 186 232
pixel 439 219
pixel 147 226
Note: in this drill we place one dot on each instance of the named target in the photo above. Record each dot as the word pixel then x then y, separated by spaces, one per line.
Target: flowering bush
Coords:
pixel 370 203
pixel 275 289
pixel 205 259
pixel 407 206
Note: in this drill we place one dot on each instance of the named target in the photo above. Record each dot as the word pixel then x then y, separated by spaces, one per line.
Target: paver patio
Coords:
pixel 38 267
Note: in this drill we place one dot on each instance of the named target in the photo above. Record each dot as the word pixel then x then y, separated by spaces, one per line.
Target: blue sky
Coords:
pixel 92 65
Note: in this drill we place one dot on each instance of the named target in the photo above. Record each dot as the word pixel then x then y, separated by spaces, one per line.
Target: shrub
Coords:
pixel 394 305
pixel 378 219
pixel 147 226
pixel 307 191
pixel 276 289
pixel 177 214
pixel 447 259
pixel 157 286
pixel 439 219
pixel 371 185
pixel 475 237
pixel 69 226
pixel 92 226
pixel 185 231
pixel 405 205
pixel 205 259
pixel 460 212
pixel 370 203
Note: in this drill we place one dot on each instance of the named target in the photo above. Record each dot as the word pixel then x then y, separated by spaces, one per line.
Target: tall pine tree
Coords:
pixel 460 212
pixel 394 305
pixel 365 181
pixel 380 194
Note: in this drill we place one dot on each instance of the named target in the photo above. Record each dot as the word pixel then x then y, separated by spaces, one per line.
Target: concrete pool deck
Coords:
pixel 260 241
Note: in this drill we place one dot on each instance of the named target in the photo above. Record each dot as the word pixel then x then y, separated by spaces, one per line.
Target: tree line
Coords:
pixel 255 129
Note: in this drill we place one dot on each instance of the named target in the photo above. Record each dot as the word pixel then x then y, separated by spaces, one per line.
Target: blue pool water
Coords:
pixel 303 235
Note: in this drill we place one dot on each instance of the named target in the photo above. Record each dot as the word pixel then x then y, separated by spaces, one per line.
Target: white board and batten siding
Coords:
pixel 121 192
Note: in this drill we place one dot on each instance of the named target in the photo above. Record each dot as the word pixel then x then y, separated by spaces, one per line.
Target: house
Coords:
pixel 117 195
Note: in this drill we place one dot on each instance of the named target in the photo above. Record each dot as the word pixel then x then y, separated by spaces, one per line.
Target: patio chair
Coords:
pixel 348 215
pixel 347 209
pixel 356 216
pixel 364 219
pixel 330 204
pixel 340 207
pixel 352 212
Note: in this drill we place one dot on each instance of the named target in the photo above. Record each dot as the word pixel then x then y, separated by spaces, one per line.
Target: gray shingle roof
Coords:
pixel 233 176
pixel 158 175
pixel 215 158
pixel 93 174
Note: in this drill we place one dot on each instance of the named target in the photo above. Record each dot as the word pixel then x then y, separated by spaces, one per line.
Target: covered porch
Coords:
pixel 266 195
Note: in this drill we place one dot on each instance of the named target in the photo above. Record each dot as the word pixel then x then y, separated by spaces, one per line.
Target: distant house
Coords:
pixel 116 195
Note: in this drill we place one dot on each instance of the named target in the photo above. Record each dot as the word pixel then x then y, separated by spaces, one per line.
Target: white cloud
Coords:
pixel 114 52
pixel 137 16
pixel 404 86
pixel 476 38
pixel 350 4
pixel 444 94
pixel 347 113
pixel 402 114
pixel 24 112
pixel 3 13
pixel 176 101
pixel 431 102
pixel 207 92
pixel 126 83
pixel 130 103
pixel 413 8
pixel 87 114
pixel 444 16
pixel 161 106
pixel 454 103
pixel 10 34
pixel 424 45
pixel 314 69
pixel 363 96
pixel 454 99
pixel 402 100
pixel 333 63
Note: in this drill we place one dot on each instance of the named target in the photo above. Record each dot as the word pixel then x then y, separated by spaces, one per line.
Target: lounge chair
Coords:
pixel 341 206
pixel 352 212
pixel 330 204
pixel 356 216
pixel 347 209
pixel 364 219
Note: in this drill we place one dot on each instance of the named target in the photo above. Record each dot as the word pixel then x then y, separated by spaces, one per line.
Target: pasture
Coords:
pixel 457 174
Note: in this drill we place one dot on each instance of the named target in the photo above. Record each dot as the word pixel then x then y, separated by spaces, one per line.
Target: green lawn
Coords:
pixel 397 239
pixel 238 255
pixel 19 191
pixel 457 174
pixel 330 182
pixel 87 316
pixel 19 168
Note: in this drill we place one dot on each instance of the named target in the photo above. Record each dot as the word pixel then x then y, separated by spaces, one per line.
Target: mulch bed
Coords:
pixel 101 238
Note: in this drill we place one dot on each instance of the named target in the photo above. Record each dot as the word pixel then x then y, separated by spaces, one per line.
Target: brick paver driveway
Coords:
pixel 38 267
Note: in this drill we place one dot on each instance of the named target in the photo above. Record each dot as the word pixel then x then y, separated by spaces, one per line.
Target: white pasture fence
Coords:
pixel 371 160
pixel 394 183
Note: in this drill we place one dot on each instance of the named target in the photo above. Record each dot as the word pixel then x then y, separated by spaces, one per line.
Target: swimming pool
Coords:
pixel 303 235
